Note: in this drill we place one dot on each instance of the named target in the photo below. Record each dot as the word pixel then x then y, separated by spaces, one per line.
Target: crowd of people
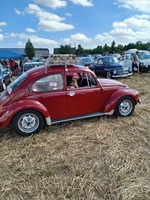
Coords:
pixel 12 64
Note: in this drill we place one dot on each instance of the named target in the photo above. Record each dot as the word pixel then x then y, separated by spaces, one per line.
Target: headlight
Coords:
pixel 115 72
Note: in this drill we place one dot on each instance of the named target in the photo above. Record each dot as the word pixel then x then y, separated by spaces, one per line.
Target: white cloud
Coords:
pixel 11 35
pixel 30 30
pixel 17 11
pixel 134 23
pixel 52 3
pixel 3 24
pixel 21 44
pixel 1 37
pixel 77 38
pixel 68 14
pixel 104 38
pixel 139 5
pixel 62 3
pixel 87 3
pixel 131 30
pixel 48 21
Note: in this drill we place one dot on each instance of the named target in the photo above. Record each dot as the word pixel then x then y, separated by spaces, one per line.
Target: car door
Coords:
pixel 99 66
pixel 50 92
pixel 84 100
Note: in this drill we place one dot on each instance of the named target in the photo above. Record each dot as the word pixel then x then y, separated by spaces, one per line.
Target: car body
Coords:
pixel 144 57
pixel 5 77
pixel 30 65
pixel 41 96
pixel 110 67
pixel 86 61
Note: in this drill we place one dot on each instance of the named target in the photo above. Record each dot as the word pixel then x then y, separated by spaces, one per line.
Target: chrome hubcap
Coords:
pixel 125 107
pixel 28 123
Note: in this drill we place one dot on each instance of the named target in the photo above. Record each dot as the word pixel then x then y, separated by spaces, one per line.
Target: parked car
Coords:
pixel 41 96
pixel 5 77
pixel 86 61
pixel 110 67
pixel 30 65
pixel 144 57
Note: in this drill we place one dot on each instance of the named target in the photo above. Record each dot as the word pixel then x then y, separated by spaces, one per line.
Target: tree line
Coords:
pixel 67 49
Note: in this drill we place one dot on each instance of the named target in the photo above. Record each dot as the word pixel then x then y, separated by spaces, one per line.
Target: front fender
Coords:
pixel 10 111
pixel 110 104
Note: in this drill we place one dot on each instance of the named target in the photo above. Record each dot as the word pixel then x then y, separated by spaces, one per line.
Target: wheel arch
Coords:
pixel 111 103
pixel 28 105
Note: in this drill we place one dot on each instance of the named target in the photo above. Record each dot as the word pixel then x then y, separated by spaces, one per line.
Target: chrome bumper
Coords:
pixel 139 100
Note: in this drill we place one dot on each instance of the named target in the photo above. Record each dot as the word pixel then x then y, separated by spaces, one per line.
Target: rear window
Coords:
pixel 18 81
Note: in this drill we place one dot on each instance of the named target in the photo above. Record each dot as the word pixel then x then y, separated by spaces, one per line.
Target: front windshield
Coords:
pixel 116 60
pixel 113 60
pixel 18 81
pixel 87 60
pixel 144 55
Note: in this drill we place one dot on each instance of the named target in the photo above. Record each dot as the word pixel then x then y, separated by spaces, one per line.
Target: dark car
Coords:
pixel 5 77
pixel 110 67
pixel 42 96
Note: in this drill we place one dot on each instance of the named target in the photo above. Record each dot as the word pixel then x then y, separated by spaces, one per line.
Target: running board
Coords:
pixel 81 117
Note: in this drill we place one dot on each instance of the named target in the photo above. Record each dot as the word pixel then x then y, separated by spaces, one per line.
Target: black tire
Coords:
pixel 28 122
pixel 108 75
pixel 125 107
pixel 10 81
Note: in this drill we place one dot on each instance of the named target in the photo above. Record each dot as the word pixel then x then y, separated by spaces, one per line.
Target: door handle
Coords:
pixel 71 94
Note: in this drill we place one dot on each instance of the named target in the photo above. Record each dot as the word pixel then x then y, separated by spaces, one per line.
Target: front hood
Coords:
pixel 146 61
pixel 110 83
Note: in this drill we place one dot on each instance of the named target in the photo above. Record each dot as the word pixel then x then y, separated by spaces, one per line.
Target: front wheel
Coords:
pixel 125 107
pixel 28 122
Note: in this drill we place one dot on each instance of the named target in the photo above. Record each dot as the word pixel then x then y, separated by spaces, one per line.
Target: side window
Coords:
pixel 100 62
pixel 96 61
pixel 85 80
pixel 48 83
pixel 91 80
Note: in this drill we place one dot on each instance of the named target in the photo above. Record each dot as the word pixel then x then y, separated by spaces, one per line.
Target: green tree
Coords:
pixel 65 49
pixel 29 49
pixel 112 49
pixel 79 50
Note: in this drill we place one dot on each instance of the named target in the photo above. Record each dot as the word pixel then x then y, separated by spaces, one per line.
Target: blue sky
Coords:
pixel 51 23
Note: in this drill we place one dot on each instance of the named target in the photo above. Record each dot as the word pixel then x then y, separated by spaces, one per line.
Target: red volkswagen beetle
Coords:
pixel 44 95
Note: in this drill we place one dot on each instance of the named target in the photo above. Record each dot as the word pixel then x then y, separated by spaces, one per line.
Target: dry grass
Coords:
pixel 101 158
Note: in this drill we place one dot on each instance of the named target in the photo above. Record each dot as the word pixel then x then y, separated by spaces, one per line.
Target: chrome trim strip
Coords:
pixel 83 117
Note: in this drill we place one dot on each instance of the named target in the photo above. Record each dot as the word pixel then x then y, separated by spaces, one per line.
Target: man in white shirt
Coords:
pixel 136 61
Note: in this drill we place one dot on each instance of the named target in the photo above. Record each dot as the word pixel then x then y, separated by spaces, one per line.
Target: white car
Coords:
pixel 144 57
pixel 29 65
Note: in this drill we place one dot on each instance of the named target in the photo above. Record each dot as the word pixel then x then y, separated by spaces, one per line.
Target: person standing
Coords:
pixel 136 62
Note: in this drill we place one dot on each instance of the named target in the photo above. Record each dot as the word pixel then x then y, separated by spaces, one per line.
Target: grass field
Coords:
pixel 102 158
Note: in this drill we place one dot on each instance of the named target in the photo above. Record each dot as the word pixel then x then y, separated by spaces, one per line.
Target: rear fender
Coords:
pixel 18 106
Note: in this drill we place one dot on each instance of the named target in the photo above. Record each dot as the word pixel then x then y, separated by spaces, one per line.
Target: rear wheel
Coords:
pixel 28 122
pixel 125 107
